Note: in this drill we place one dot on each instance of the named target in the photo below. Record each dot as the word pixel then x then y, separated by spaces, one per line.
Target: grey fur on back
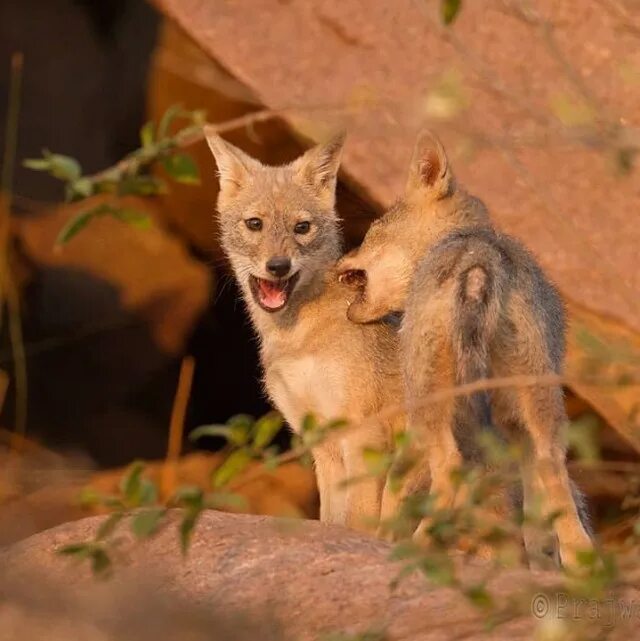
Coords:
pixel 508 266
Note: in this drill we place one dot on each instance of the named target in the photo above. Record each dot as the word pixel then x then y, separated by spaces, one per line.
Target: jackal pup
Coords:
pixel 282 237
pixel 476 305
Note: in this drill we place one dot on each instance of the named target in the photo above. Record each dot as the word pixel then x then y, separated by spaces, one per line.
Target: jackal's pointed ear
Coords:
pixel 318 168
pixel 429 173
pixel 234 166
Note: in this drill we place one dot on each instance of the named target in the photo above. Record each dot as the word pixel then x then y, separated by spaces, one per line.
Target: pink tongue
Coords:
pixel 272 295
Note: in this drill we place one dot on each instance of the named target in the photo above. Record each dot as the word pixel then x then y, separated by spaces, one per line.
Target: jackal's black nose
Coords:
pixel 279 266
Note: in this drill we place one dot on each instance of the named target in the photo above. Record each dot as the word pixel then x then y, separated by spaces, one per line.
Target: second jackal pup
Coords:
pixel 476 305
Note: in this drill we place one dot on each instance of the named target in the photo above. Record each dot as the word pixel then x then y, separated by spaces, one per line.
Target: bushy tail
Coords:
pixel 477 311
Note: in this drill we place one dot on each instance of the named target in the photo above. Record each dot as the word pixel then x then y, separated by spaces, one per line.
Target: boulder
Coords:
pixel 151 271
pixel 244 577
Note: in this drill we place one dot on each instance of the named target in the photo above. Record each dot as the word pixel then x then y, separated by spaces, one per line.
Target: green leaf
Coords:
pixel 376 462
pixel 405 550
pixel 113 503
pixel 336 424
pixel 64 167
pixel 439 569
pixel 236 432
pixel 199 116
pixel 77 224
pixel 81 188
pixel 624 159
pixel 186 528
pixel 189 496
pixel 100 561
pixel 449 10
pixel 58 165
pixel 584 437
pixel 225 500
pixel 479 596
pixel 167 118
pixel 146 522
pixel 146 134
pixel 147 494
pixel 109 525
pixel 141 186
pixel 182 168
pixel 235 463
pixel 76 549
pixel 132 217
pixel 309 423
pixel 89 497
pixel 37 164
pixel 266 429
pixel 130 482
pixel 136 490
pixel 225 431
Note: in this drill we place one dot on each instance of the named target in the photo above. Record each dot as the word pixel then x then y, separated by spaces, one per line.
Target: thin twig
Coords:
pixel 4 385
pixel 527 13
pixel 169 475
pixel 392 411
pixel 130 164
pixel 8 289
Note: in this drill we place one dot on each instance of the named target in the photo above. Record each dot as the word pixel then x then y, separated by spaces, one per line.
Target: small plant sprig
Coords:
pixel 468 527
pixel 130 176
pixel 248 440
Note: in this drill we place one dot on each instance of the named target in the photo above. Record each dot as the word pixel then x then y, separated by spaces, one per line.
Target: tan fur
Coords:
pixel 314 359
pixel 476 304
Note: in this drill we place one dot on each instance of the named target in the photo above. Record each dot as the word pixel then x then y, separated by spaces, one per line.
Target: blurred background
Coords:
pixel 537 102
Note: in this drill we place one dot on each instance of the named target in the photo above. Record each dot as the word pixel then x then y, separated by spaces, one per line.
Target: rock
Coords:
pixel 40 489
pixel 245 577
pixel 154 276
pixel 562 200
pixel 106 318
pixel 395 62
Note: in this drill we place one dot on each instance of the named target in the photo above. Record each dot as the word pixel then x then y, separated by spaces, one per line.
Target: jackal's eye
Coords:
pixel 254 224
pixel 302 227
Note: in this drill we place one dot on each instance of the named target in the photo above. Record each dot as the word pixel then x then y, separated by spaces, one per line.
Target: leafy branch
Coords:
pixel 132 175
pixel 129 176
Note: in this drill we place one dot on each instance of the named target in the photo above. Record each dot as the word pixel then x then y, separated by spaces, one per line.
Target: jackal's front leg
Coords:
pixel 364 492
pixel 330 477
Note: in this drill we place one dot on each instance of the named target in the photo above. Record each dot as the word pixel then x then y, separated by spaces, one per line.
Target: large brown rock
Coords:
pixel 562 198
pixel 41 489
pixel 152 272
pixel 477 84
pixel 245 577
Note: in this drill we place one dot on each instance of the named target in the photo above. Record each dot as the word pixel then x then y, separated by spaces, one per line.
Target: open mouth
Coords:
pixel 272 295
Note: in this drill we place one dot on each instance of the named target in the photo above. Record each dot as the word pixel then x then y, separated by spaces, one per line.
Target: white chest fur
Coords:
pixel 309 384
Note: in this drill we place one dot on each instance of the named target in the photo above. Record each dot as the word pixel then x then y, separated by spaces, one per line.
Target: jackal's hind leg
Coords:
pixel 442 456
pixel 545 419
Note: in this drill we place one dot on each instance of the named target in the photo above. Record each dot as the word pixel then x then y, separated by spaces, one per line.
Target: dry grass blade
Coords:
pixel 8 291
pixel 168 480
